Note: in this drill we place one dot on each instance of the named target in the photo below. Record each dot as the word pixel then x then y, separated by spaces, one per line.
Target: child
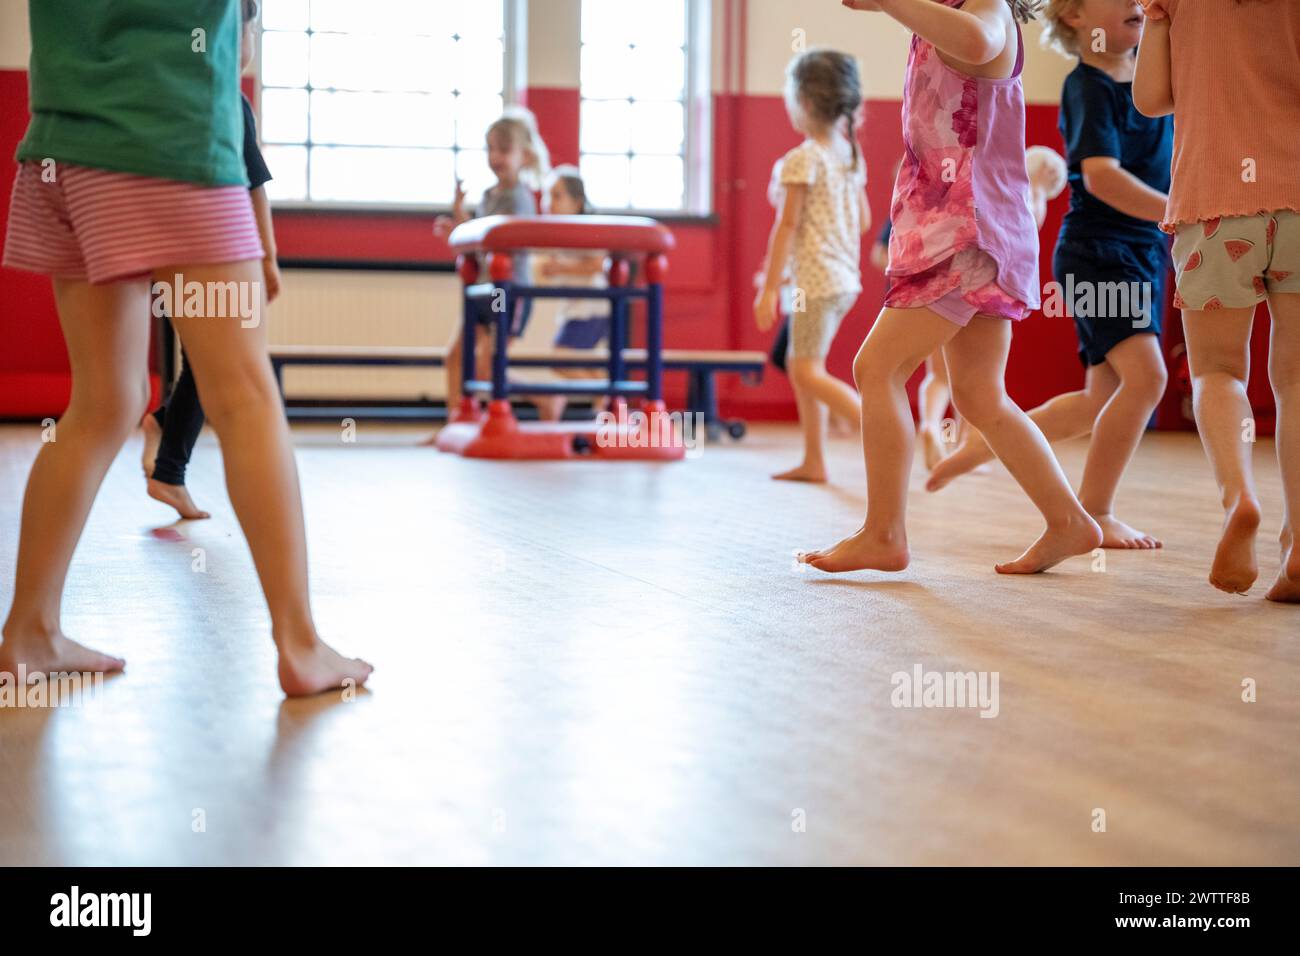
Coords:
pixel 823 214
pixel 1234 209
pixel 583 323
pixel 959 280
pixel 519 160
pixel 1119 176
pixel 171 431
pixel 117 184
pixel 1047 178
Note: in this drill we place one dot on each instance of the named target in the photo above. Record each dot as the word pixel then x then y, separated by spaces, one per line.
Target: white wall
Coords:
pixel 15 45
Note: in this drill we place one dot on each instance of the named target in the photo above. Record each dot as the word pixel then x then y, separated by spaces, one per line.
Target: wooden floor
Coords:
pixel 615 663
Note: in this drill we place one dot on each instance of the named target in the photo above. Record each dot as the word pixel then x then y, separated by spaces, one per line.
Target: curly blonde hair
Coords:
pixel 1058 34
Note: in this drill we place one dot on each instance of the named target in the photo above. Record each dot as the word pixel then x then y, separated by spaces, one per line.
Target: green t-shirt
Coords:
pixel 134 86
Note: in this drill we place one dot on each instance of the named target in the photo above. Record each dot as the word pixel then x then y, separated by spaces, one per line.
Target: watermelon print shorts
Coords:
pixel 1237 261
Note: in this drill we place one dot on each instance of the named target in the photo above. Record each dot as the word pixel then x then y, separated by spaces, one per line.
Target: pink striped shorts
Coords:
pixel 103 226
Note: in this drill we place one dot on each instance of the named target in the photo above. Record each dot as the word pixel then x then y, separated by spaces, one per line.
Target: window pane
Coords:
pixel 284 116
pixel 358 174
pixel 658 182
pixel 655 72
pixel 346 62
pixel 472 19
pixel 479 65
pixel 402 17
pixel 658 127
pixel 381 119
pixel 606 126
pixel 607 181
pixel 284 59
pixel 288 164
pixel 618 21
pixel 474 114
pixel 605 74
pixel 284 15
pixel 476 178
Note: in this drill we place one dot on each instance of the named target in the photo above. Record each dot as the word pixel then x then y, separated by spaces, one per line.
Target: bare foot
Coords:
pixel 152 439
pixel 969 456
pixel 319 668
pixel 932 447
pixel 805 472
pixel 861 552
pixel 54 655
pixel 178 496
pixel 1117 534
pixel 1235 568
pixel 1054 545
pixel 1286 589
pixel 843 428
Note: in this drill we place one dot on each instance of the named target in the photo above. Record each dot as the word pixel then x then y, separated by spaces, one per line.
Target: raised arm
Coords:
pixel 1153 90
pixel 975 34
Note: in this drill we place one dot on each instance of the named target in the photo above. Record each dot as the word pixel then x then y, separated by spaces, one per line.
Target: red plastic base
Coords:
pixel 500 435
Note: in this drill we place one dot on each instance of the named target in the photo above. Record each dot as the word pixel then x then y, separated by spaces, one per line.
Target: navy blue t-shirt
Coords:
pixel 1098 119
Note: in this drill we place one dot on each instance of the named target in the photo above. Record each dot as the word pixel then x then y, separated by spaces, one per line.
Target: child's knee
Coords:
pixel 871 368
pixel 111 410
pixel 237 398
pixel 978 402
pixel 803 371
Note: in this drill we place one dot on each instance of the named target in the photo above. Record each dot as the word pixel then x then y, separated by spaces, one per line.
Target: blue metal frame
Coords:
pixel 619 299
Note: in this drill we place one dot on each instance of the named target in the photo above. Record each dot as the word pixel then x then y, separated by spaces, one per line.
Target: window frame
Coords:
pixel 697 151
pixel 515 82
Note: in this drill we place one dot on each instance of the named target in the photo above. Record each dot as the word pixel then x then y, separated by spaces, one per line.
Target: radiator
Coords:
pixel 319 307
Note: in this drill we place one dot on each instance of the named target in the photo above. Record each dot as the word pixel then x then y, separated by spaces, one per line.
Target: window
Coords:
pixel 381 101
pixel 643 133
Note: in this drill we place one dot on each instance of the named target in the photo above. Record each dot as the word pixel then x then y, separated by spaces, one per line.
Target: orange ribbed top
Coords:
pixel 1236 86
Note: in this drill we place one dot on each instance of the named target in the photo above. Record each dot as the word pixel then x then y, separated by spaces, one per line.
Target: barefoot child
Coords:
pixel 171 431
pixel 1119 176
pixel 583 323
pixel 1229 72
pixel 118 183
pixel 519 160
pixel 959 279
pixel 823 213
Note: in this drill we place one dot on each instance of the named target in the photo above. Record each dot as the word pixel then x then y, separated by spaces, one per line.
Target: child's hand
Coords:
pixel 870 5
pixel 767 307
pixel 442 226
pixel 458 204
pixel 880 256
pixel 546 268
pixel 271 277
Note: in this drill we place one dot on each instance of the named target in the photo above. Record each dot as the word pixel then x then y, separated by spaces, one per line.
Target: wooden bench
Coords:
pixel 700 366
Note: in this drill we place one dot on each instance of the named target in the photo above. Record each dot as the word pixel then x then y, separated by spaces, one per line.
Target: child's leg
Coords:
pixel 812 420
pixel 1218 352
pixel 1064 416
pixel 898 342
pixel 977 362
pixel 1284 372
pixel 107 338
pixel 933 399
pixel 244 407
pixel 181 425
pixel 1140 368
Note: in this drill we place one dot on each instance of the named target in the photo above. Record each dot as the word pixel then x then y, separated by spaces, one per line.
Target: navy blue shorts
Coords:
pixel 523 309
pixel 1113 289
pixel 583 333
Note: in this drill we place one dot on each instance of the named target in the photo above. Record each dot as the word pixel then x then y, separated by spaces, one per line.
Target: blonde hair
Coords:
pixel 521 125
pixel 1058 34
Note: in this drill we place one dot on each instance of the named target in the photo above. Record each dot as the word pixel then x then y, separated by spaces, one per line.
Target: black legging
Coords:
pixel 181 418
pixel 781 344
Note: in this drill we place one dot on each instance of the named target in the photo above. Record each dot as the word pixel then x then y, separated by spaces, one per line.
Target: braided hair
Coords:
pixel 826 84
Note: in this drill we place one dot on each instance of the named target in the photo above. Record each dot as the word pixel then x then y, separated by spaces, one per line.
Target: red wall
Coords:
pixel 709 290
